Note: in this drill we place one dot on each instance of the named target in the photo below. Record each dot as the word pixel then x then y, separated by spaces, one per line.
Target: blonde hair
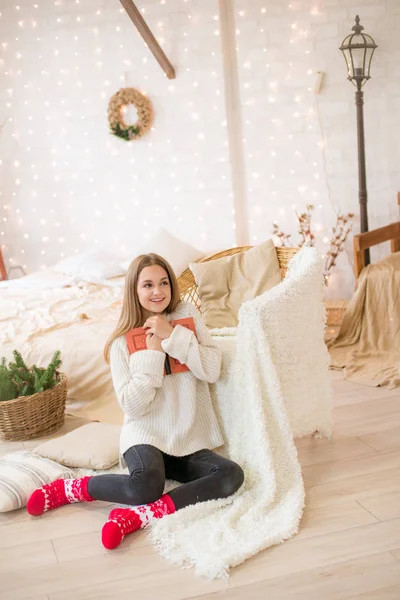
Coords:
pixel 132 313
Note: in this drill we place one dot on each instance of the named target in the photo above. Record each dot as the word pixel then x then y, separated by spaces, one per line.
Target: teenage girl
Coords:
pixel 170 427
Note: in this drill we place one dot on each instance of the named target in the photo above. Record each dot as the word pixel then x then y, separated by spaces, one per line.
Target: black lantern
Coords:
pixel 358 48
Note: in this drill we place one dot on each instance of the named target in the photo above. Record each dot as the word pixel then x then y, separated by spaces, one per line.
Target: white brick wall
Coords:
pixel 68 184
pixel 285 122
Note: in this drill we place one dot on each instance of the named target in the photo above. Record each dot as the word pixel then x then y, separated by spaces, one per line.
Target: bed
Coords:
pixel 47 311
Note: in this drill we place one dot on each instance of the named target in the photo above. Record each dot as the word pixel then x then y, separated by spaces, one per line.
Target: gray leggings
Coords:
pixel 204 474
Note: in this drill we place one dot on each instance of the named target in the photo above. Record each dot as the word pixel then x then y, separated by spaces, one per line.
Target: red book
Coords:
pixel 136 340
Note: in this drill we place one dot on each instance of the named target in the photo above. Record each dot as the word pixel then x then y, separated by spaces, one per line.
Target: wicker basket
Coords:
pixel 28 417
pixel 335 310
pixel 187 284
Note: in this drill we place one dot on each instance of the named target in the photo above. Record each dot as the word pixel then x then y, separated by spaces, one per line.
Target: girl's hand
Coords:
pixel 153 342
pixel 159 326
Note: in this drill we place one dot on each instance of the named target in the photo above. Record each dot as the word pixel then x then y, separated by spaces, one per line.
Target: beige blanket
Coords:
pixel 368 344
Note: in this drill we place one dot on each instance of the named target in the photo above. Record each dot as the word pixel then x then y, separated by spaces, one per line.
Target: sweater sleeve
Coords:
pixel 136 378
pixel 198 351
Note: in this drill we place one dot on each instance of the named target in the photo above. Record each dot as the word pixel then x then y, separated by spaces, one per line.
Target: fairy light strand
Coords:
pixel 71 162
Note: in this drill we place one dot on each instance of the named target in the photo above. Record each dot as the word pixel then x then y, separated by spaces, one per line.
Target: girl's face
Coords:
pixel 154 289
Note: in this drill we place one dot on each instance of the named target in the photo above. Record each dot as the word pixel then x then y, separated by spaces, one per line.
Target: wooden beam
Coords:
pixel 136 17
pixel 234 119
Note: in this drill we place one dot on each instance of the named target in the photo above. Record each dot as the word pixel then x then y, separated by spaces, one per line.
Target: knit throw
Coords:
pixel 278 375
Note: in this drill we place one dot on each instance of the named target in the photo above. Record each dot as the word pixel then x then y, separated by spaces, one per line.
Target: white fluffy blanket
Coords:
pixel 280 362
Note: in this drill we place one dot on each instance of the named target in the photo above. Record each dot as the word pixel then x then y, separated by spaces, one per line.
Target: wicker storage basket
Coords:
pixel 335 310
pixel 28 417
pixel 187 284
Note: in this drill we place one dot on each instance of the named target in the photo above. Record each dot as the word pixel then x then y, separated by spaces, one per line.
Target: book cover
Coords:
pixel 136 341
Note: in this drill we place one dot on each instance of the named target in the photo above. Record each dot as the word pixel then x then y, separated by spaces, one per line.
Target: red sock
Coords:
pixel 58 493
pixel 122 521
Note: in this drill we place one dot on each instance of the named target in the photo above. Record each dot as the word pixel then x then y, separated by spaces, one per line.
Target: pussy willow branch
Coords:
pixel 339 236
pixel 304 219
pixel 337 242
pixel 284 237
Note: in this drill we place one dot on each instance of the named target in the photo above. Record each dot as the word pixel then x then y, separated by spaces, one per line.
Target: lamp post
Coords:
pixel 358 49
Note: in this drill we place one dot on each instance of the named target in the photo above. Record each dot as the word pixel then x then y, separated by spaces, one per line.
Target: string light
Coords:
pixel 68 179
pixel 75 114
pixel 301 119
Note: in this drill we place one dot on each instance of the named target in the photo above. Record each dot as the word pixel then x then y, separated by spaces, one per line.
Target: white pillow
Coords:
pixel 93 446
pixel 177 252
pixel 93 265
pixel 21 473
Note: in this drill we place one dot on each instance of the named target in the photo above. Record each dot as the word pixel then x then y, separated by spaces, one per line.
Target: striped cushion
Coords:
pixel 21 473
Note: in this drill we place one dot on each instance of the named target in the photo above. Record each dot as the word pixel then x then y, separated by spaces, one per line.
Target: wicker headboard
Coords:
pixel 187 284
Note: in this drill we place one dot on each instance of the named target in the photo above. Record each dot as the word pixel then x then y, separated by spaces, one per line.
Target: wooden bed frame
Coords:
pixel 371 238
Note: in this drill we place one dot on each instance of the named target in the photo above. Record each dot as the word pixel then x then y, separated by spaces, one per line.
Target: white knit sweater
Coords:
pixel 174 413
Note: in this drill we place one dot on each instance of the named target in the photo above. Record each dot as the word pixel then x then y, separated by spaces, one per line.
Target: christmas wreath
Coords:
pixel 144 110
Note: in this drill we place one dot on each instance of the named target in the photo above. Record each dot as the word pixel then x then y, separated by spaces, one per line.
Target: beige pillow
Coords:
pixel 93 446
pixel 224 284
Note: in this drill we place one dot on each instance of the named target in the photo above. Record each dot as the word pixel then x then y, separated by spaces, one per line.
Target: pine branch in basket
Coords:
pixel 8 389
pixel 19 380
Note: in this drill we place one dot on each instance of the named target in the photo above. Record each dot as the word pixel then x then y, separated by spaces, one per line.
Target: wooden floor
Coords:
pixel 348 546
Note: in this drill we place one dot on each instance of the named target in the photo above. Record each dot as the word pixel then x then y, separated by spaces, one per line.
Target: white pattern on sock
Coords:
pixel 145 513
pixel 70 492
pixel 46 500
